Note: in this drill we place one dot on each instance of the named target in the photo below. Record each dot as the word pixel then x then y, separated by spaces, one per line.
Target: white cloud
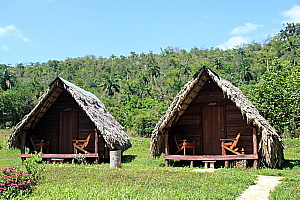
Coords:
pixel 4 48
pixel 234 41
pixel 12 30
pixel 246 28
pixel 293 15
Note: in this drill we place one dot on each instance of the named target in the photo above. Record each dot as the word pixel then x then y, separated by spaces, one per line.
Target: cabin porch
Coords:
pixel 225 158
pixel 198 150
pixel 52 157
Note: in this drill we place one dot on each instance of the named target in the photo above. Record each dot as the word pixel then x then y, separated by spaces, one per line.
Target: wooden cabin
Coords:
pixel 66 113
pixel 207 111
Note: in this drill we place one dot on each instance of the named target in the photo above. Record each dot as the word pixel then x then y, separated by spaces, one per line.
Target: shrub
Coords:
pixel 242 164
pixel 34 166
pixel 15 183
pixel 80 158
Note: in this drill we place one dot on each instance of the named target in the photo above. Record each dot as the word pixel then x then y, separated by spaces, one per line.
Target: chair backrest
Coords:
pixel 236 140
pixel 178 137
pixel 35 142
pixel 86 142
pixel 32 142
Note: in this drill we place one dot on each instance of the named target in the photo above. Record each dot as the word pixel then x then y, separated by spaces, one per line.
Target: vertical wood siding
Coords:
pixel 208 118
pixel 52 128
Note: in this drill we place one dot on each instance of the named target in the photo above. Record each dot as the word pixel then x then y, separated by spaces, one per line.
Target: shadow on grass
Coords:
pixel 128 158
pixel 291 163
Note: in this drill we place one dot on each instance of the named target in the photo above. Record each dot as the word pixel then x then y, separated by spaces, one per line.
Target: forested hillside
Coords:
pixel 137 89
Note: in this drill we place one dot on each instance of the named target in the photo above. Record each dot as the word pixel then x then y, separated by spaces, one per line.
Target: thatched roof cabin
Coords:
pixel 198 99
pixel 66 112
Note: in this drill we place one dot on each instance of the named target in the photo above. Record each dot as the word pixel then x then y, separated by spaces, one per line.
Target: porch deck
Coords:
pixel 48 157
pixel 225 158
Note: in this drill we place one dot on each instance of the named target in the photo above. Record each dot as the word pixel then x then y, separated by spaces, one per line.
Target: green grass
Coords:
pixel 290 186
pixel 142 177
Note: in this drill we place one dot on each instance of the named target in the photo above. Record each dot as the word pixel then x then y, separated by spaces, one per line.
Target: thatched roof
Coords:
pixel 270 145
pixel 112 132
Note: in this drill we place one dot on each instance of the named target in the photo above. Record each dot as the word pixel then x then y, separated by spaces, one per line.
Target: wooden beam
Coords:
pixel 167 150
pixel 214 157
pixel 96 140
pixel 23 141
pixel 91 155
pixel 255 149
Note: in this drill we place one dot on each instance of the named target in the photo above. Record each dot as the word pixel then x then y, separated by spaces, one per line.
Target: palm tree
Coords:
pixel 154 72
pixel 185 69
pixel 111 85
pixel 7 78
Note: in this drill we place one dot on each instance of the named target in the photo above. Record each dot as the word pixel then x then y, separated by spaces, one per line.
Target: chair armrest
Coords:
pixel 233 139
pixel 79 140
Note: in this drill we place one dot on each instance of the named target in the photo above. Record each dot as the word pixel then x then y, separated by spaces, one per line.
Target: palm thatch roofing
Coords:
pixel 112 132
pixel 270 145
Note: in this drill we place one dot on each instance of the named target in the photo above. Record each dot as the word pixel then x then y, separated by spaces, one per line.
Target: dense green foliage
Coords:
pixel 138 88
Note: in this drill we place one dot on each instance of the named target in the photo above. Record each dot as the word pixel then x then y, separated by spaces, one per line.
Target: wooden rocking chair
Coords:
pixel 81 144
pixel 183 144
pixel 39 146
pixel 230 145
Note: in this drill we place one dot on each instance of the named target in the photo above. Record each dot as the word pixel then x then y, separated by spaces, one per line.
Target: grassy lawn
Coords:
pixel 142 177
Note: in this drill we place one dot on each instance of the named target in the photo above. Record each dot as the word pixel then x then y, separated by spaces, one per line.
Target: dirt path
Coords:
pixel 261 190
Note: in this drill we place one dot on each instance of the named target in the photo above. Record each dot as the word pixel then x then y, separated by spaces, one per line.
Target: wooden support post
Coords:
pixel 167 147
pixel 167 162
pixel 255 149
pixel 23 141
pixel 96 145
pixel 192 164
pixel 167 143
pixel 194 151
pixel 226 163
pixel 96 141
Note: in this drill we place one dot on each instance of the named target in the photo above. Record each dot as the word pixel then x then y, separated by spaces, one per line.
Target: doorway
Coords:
pixel 68 128
pixel 213 128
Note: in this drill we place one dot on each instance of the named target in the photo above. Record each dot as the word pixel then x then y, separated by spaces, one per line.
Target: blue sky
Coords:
pixel 43 30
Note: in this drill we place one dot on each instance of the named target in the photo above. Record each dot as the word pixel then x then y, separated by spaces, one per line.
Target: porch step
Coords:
pixel 210 163
pixel 55 160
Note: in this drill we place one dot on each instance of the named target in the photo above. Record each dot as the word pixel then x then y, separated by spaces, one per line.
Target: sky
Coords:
pixel 41 30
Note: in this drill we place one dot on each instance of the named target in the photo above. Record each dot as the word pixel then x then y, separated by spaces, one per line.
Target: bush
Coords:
pixel 34 166
pixel 15 183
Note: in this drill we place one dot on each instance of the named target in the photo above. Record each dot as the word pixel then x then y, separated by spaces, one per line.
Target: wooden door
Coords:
pixel 213 127
pixel 68 129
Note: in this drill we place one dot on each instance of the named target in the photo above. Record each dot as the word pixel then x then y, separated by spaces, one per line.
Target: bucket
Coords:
pixel 115 159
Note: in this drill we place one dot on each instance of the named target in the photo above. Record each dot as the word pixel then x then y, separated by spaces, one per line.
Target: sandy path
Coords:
pixel 261 190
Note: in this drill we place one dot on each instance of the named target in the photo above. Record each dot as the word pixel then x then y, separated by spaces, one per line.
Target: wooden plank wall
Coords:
pixel 193 125
pixel 236 124
pixel 48 126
